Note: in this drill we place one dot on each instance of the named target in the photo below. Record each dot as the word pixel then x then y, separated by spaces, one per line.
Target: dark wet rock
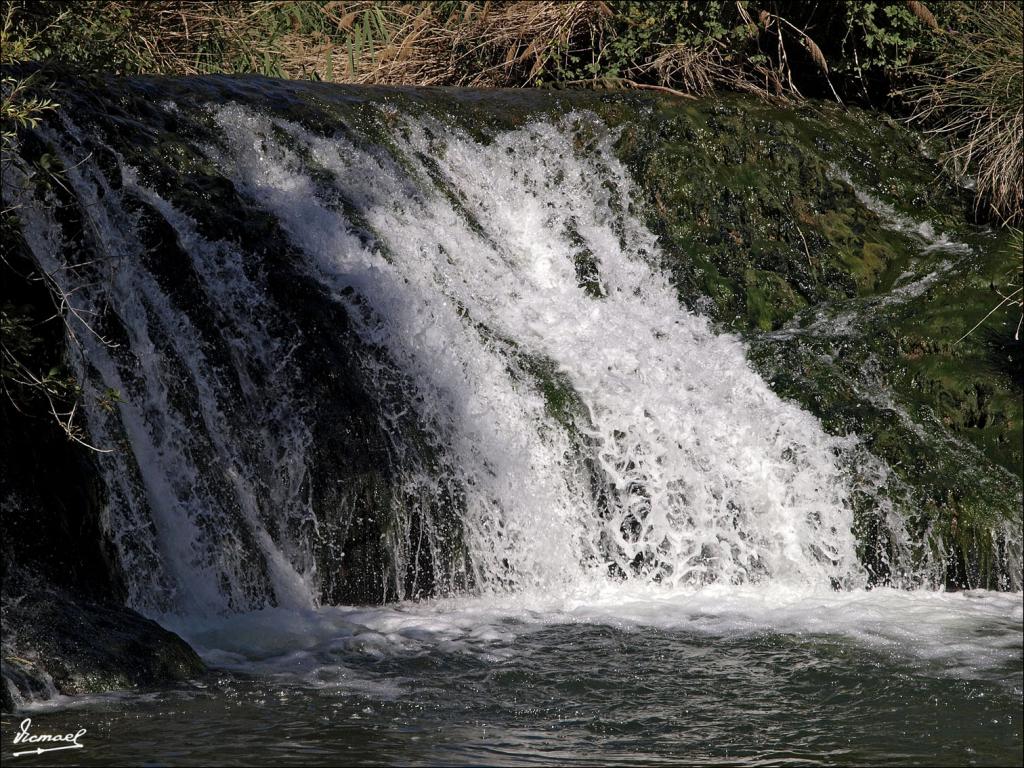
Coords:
pixel 64 626
pixel 58 642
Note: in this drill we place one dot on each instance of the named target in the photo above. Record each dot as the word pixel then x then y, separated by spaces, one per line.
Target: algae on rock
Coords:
pixel 828 240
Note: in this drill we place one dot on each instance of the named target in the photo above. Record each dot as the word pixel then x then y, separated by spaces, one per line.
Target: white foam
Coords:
pixel 922 231
pixel 708 476
pixel 968 634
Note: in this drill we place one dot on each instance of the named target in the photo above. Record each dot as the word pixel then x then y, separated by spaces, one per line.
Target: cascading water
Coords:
pixel 405 430
pixel 580 422
pixel 202 463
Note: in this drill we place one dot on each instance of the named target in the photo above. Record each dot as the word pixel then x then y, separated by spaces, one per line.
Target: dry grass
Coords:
pixel 700 70
pixel 496 43
pixel 693 70
pixel 361 41
pixel 184 38
pixel 480 45
pixel 973 96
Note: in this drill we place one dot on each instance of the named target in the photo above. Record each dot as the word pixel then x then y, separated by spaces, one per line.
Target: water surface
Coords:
pixel 721 676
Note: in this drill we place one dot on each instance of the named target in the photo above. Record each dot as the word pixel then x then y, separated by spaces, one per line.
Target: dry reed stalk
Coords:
pixel 812 48
pixel 973 97
pixel 492 44
pixel 920 10
pixel 694 70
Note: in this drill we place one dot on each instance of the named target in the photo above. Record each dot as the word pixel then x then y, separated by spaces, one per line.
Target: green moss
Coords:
pixel 561 401
pixel 753 214
pixel 770 299
pixel 875 257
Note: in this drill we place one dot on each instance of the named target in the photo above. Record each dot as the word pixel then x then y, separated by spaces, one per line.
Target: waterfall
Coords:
pixel 550 413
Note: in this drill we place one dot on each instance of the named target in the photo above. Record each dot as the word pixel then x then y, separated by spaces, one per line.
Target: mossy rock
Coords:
pixel 88 647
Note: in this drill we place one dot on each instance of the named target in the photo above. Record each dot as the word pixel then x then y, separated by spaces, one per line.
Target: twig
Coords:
pixel 1005 300
pixel 648 87
pixel 806 249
